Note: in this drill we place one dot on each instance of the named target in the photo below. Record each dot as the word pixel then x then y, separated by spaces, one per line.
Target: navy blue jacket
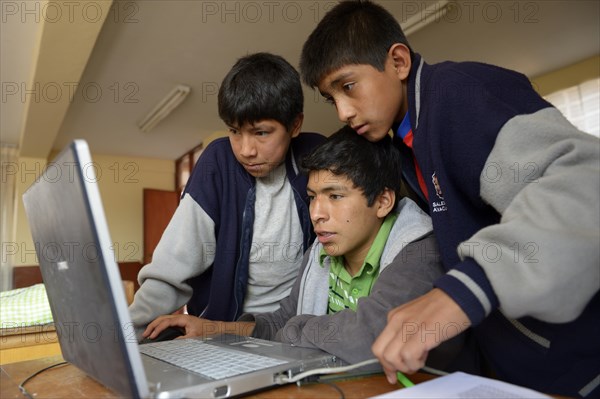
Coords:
pixel 513 195
pixel 226 192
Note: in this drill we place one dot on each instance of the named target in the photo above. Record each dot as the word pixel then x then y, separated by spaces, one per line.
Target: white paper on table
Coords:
pixel 461 385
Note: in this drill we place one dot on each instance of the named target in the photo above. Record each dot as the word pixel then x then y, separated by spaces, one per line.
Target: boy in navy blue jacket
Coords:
pixel 512 189
pixel 236 241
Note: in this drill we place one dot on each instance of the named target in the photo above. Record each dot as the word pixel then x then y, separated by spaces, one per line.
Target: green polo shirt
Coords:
pixel 344 290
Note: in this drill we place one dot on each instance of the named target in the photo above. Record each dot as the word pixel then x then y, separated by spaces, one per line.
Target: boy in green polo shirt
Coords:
pixel 373 252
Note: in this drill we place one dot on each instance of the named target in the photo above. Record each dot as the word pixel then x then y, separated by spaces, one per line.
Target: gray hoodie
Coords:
pixel 409 264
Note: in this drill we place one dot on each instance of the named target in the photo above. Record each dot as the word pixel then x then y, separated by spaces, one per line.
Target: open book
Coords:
pixel 461 385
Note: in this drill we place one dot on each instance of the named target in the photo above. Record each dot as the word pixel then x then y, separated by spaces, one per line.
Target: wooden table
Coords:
pixel 69 382
pixel 26 343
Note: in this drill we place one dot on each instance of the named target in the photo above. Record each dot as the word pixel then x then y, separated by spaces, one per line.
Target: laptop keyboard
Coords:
pixel 209 360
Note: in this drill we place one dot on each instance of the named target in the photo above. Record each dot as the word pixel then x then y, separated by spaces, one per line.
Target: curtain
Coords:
pixel 580 105
pixel 8 212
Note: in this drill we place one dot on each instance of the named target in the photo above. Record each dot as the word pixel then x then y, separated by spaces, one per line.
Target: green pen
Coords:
pixel 402 379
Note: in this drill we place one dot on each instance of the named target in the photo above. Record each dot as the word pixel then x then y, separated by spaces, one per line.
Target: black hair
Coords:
pixel 261 86
pixel 371 166
pixel 352 32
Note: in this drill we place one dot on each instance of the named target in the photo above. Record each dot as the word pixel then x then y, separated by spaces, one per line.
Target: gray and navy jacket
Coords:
pixel 513 192
pixel 219 198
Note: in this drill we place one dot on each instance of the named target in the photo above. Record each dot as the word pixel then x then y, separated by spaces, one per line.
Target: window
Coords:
pixel 580 105
pixel 8 210
pixel 184 166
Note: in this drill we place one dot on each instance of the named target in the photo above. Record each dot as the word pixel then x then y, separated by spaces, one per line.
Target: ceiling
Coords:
pixel 102 66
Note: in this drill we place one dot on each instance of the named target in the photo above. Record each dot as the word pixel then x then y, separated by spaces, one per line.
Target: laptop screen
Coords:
pixel 80 272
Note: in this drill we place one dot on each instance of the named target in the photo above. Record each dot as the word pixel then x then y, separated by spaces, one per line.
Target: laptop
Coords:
pixel 90 311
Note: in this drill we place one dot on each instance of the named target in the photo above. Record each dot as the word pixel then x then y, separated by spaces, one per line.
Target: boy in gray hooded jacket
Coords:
pixel 373 252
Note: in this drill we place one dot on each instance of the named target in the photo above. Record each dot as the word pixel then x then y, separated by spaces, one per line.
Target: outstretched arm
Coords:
pixel 541 259
pixel 164 287
pixel 349 334
pixel 415 328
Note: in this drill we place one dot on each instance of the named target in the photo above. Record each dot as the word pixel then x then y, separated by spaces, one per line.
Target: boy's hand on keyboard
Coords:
pixel 165 335
pixel 191 325
pixel 194 326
